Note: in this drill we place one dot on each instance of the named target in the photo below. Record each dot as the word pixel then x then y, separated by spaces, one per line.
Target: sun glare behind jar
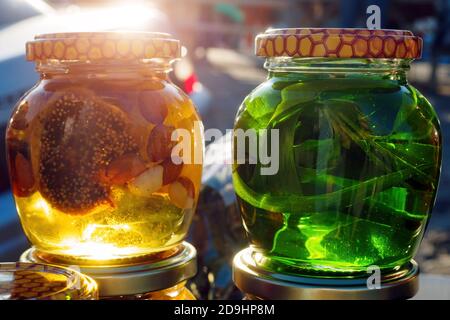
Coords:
pixel 128 16
pixel 98 251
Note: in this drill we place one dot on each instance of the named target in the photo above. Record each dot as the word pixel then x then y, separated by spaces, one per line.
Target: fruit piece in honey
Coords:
pixel 123 169
pixel 182 193
pixel 23 176
pixel 160 144
pixel 171 170
pixel 153 107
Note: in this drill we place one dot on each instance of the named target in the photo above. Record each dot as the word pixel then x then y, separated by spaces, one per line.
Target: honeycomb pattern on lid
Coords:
pixel 98 46
pixel 340 43
pixel 33 281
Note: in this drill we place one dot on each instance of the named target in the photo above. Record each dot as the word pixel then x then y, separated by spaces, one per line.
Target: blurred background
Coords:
pixel 218 71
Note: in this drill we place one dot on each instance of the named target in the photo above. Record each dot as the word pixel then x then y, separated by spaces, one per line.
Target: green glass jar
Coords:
pixel 359 153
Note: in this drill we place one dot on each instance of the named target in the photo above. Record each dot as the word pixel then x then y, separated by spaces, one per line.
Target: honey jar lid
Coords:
pixel 339 43
pixel 36 281
pixel 103 46
pixel 134 276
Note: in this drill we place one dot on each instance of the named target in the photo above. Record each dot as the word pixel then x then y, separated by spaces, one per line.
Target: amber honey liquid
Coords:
pixel 91 167
pixel 141 227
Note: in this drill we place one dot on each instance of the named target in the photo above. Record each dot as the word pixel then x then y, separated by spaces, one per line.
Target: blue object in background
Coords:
pixel 12 239
pixel 353 12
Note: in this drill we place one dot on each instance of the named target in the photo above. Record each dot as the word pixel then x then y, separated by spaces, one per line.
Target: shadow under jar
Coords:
pixel 359 153
pixel 90 147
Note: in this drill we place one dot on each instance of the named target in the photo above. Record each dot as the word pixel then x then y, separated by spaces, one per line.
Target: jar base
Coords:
pixel 260 283
pixel 63 259
pixel 140 275
pixel 321 268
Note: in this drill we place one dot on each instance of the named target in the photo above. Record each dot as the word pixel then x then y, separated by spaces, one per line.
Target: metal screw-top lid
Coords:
pixel 136 276
pixel 35 281
pixel 258 283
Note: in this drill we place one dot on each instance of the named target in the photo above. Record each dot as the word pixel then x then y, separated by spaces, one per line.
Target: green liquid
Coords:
pixel 358 171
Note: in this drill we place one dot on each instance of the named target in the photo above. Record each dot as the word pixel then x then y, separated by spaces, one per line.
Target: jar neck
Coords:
pixel 108 71
pixel 327 68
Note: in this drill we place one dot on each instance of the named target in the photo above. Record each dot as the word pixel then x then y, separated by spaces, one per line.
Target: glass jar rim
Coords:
pixel 336 65
pixel 339 43
pixel 37 281
pixel 89 47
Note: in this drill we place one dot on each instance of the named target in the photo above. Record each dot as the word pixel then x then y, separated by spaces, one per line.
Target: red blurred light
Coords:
pixel 189 83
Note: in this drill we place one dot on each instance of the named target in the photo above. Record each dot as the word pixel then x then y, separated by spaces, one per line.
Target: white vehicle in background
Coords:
pixel 21 20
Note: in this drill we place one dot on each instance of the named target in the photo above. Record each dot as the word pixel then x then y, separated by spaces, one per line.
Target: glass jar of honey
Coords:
pixel 92 147
pixel 359 153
